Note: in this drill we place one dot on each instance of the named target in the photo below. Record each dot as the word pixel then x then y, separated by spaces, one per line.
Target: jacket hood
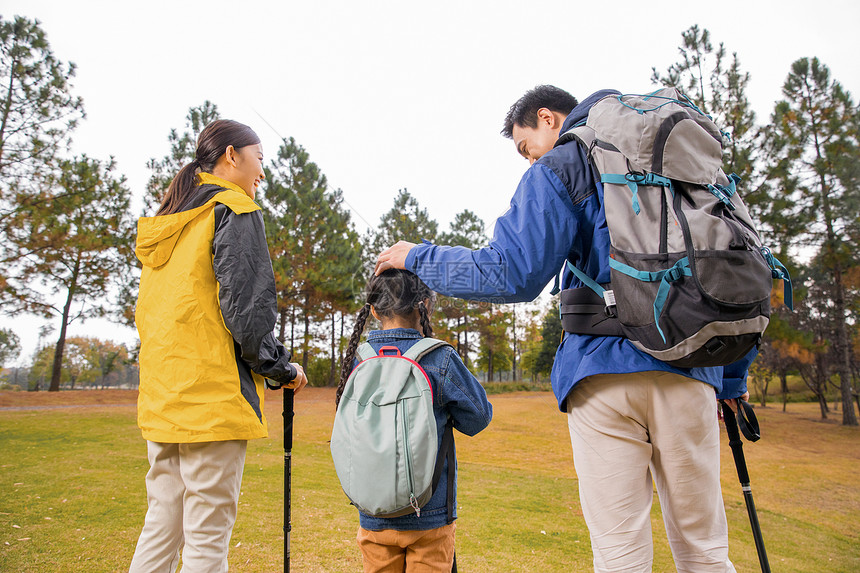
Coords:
pixel 157 236
pixel 580 112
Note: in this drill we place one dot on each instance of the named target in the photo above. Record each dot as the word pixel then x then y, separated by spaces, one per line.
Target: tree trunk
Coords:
pixel 843 362
pixel 306 343
pixel 764 386
pixel 7 107
pixel 283 330
pixel 331 374
pixel 293 330
pixel 783 380
pixel 466 360
pixel 489 366
pixel 514 329
pixel 61 342
pixel 822 403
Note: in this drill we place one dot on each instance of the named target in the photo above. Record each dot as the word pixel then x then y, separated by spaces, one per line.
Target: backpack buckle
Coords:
pixel 390 349
pixel 609 299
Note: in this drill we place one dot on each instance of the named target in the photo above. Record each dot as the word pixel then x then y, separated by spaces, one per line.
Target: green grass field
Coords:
pixel 72 493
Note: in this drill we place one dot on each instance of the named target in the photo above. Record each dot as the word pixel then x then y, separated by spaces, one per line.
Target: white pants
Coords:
pixel 629 428
pixel 192 492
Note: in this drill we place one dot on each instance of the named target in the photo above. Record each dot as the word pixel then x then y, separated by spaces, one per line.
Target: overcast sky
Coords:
pixel 390 95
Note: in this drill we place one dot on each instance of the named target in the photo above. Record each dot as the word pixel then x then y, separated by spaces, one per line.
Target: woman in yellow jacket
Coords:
pixel 205 314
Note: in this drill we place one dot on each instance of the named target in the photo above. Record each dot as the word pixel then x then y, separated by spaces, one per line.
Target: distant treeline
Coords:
pixel 66 225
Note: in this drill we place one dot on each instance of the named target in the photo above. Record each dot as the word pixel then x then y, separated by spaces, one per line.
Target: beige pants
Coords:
pixel 390 551
pixel 629 428
pixel 192 492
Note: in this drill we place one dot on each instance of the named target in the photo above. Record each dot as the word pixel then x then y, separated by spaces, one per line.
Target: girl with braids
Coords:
pixel 402 303
pixel 205 314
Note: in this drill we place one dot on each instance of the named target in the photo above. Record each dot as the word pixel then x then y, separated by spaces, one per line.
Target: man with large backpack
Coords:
pixel 633 417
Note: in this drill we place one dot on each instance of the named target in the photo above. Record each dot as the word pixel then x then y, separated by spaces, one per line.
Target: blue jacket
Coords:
pixel 456 394
pixel 556 214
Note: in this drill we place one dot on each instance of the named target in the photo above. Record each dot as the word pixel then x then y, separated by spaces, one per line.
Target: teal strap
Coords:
pixel 619 179
pixel 666 101
pixel 778 271
pixel 587 280
pixel 556 285
pixel 724 192
pixel 653 276
pixel 681 268
pixel 633 181
pixel 734 179
pixel 666 277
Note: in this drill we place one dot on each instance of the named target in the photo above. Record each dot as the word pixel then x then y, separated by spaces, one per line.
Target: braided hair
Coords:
pixel 395 292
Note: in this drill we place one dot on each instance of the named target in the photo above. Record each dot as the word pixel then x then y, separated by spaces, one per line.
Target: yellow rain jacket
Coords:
pixel 205 314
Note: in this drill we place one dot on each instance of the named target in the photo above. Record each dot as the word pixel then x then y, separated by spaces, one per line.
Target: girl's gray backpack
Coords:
pixel 690 278
pixel 384 441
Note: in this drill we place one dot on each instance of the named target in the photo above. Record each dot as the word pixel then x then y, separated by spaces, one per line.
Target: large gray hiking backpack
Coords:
pixel 690 278
pixel 384 439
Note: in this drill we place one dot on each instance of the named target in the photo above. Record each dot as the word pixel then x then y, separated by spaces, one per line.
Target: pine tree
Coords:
pixel 10 346
pixel 183 146
pixel 77 243
pixel 717 85
pixel 405 221
pixel 37 109
pixel 815 147
pixel 37 115
pixel 313 244
pixel 467 230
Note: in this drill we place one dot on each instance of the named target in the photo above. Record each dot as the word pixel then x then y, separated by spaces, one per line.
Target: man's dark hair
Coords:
pixel 524 112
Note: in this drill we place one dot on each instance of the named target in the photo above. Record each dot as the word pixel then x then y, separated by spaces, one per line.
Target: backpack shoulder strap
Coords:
pixel 581 133
pixel 423 347
pixel 365 351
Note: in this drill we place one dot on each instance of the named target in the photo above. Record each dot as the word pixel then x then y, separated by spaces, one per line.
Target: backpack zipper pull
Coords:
pixel 414 503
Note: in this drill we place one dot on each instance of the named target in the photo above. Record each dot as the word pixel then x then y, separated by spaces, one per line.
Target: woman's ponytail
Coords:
pixel 181 189
pixel 211 145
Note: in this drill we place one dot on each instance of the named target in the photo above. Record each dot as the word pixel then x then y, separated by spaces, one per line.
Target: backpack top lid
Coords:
pixel 662 133
pixel 368 387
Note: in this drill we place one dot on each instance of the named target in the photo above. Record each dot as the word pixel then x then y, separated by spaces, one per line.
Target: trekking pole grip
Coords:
pixel 735 443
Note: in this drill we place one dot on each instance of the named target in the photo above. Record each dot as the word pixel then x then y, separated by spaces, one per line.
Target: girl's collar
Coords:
pixel 394 333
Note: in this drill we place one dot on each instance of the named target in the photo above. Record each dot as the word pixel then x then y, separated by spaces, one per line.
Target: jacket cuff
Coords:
pixel 278 382
pixel 411 261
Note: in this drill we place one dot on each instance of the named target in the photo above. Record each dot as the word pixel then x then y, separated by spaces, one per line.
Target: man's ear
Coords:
pixel 546 116
pixel 230 155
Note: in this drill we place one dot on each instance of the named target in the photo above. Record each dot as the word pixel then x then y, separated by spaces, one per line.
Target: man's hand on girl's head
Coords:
pixel 393 257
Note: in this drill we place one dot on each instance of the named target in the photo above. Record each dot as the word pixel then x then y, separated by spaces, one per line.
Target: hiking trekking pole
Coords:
pixel 749 426
pixel 288 454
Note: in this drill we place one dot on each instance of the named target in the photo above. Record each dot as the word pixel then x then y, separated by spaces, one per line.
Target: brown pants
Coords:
pixel 391 551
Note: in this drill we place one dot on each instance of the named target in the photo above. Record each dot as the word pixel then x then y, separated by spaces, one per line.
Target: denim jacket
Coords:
pixel 456 395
